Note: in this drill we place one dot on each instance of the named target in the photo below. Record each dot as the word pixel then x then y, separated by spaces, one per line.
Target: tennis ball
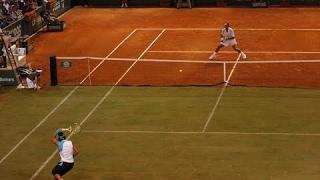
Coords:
pixel 180 70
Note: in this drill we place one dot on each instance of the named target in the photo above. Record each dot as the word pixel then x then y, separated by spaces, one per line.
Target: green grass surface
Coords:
pixel 161 155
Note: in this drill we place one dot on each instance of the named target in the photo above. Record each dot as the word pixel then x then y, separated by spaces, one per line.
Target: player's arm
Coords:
pixel 221 36
pixel 75 150
pixel 54 140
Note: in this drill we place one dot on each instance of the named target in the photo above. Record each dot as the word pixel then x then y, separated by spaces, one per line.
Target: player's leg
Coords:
pixel 178 3
pixel 30 83
pixel 243 55
pixel 55 172
pixel 58 177
pixel 214 54
pixel 60 169
pixel 236 48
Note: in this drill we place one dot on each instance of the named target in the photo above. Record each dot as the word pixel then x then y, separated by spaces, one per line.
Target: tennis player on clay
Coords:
pixel 227 39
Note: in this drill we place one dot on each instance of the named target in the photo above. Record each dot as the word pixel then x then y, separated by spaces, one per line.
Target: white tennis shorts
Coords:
pixel 230 42
pixel 30 83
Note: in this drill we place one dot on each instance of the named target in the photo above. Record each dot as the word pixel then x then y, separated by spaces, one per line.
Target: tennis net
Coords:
pixel 164 72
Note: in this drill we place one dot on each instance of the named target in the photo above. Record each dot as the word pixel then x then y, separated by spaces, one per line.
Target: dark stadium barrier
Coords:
pixel 274 2
pixel 304 2
pixel 28 26
pixel 117 3
pixel 199 3
pixel 15 29
pixel 7 78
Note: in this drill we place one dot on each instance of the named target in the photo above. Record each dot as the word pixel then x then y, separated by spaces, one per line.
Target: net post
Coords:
pixel 53 70
pixel 224 73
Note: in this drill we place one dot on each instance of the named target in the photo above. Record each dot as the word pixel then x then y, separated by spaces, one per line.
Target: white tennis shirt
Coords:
pixel 227 34
pixel 65 149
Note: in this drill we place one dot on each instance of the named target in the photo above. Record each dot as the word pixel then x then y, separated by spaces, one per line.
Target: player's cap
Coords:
pixel 60 133
pixel 226 24
pixel 61 136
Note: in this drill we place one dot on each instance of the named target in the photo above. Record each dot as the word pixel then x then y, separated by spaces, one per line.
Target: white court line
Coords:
pixel 99 103
pixel 193 132
pixel 106 58
pixel 230 62
pixel 247 52
pixel 239 29
pixel 38 125
pixel 195 61
pixel 220 95
pixel 44 119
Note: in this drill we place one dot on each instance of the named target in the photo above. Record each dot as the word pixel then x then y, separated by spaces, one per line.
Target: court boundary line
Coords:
pixel 196 61
pixel 99 102
pixel 206 132
pixel 234 52
pixel 106 58
pixel 39 124
pixel 220 95
pixel 237 29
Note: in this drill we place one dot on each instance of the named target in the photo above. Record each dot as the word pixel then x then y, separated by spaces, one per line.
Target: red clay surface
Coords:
pixel 96 32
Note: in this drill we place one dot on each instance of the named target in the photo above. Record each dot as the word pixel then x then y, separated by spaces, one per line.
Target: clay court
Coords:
pixel 282 47
pixel 152 106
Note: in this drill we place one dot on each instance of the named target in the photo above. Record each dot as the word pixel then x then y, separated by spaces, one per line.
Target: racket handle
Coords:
pixel 65 129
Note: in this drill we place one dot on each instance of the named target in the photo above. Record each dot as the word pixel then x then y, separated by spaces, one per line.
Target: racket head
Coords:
pixel 75 128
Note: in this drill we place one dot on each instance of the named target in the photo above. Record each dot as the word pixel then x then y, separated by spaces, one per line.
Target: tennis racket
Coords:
pixel 73 128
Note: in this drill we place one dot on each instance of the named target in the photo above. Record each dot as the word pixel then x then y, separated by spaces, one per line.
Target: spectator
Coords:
pixel 16 13
pixel 44 4
pixel 6 8
pixel 48 18
pixel 29 76
pixel 29 6
pixel 124 3
pixel 12 10
pixel 3 60
pixel 21 4
pixel 85 3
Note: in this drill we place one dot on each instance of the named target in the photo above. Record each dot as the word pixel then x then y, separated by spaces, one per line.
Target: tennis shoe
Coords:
pixel 213 56
pixel 243 56
pixel 20 86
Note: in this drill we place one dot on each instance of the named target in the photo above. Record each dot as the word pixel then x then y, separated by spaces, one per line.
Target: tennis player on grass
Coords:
pixel 227 39
pixel 67 153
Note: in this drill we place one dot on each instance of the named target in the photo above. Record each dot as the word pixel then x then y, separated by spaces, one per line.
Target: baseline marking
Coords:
pixel 193 132
pixel 99 103
pixel 220 95
pixel 239 29
pixel 247 52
